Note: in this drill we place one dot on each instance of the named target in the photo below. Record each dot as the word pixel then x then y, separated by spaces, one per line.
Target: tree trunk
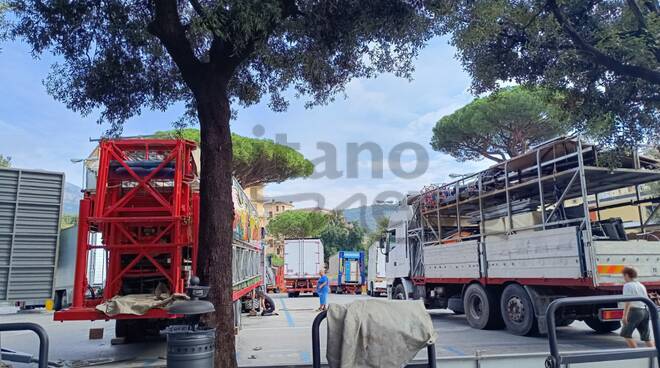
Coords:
pixel 216 218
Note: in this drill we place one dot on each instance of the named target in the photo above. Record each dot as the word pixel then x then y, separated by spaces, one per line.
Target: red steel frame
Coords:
pixel 301 285
pixel 145 218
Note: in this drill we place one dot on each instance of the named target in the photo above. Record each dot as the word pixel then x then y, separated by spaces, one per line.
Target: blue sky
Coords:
pixel 40 132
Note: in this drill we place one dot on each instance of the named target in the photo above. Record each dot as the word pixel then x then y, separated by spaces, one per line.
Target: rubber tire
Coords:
pixel 529 325
pixel 291 295
pixel 269 304
pixel 490 316
pixel 602 327
pixel 121 328
pixel 564 322
pixel 132 330
pixel 399 293
pixel 58 303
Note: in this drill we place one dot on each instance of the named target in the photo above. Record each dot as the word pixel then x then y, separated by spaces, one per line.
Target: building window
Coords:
pixel 270 213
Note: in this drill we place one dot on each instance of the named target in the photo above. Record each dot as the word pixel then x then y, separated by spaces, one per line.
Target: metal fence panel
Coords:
pixel 30 212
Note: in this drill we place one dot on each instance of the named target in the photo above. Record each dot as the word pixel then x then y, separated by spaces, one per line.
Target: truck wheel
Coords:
pixel 518 311
pixel 602 326
pixel 269 305
pixel 132 330
pixel 564 322
pixel 481 308
pixel 121 328
pixel 370 290
pixel 291 295
pixel 399 293
pixel 59 302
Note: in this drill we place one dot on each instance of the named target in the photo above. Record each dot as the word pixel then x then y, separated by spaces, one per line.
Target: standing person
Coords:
pixel 635 314
pixel 322 289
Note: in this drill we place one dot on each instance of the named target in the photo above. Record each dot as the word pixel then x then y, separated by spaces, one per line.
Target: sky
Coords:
pixel 390 118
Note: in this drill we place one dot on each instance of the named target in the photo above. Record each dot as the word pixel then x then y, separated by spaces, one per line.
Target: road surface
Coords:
pixel 286 337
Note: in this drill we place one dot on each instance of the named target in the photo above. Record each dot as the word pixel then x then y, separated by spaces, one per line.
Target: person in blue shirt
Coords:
pixel 322 289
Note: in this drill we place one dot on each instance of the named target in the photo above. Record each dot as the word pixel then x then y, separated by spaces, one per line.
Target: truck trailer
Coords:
pixel 303 260
pixel 501 244
pixel 376 275
pixel 346 272
pixel 143 205
pixel 30 214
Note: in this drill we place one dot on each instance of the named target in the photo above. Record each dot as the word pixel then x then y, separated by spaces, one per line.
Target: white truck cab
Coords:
pixel 397 260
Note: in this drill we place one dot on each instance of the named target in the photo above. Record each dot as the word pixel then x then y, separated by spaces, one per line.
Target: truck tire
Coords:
pixel 370 290
pixel 121 328
pixel 564 322
pixel 518 311
pixel 60 300
pixel 269 305
pixel 602 326
pixel 132 330
pixel 399 292
pixel 481 308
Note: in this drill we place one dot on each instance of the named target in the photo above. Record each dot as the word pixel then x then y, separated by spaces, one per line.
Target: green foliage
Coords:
pixel 374 236
pixel 297 224
pixel 501 125
pixel 67 221
pixel 341 235
pixel 120 57
pixel 5 161
pixel 333 230
pixel 602 55
pixel 276 261
pixel 257 161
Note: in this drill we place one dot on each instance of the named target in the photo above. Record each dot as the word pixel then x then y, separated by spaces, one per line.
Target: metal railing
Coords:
pixel 316 344
pixel 556 359
pixel 41 333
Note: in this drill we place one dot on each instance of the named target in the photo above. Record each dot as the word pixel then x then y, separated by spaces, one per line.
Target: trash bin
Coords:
pixel 190 344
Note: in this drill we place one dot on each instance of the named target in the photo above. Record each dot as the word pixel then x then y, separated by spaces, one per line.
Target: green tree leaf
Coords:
pixel 604 56
pixel 256 161
pixel 501 125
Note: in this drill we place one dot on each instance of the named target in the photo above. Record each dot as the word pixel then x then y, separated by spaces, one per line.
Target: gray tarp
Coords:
pixel 139 304
pixel 377 333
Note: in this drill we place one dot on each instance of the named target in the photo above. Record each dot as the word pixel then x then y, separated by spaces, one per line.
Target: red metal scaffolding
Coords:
pixel 145 209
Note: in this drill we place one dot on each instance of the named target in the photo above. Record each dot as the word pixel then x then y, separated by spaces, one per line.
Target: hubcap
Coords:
pixel 477 306
pixel 515 309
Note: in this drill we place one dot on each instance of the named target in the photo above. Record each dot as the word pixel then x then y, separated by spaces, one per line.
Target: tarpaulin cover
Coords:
pixel 377 333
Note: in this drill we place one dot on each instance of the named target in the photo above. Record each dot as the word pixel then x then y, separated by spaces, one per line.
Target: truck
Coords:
pixel 30 215
pixel 346 272
pixel 142 212
pixel 501 244
pixel 303 260
pixel 376 275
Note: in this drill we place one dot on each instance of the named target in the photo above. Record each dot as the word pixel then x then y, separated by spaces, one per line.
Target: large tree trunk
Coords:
pixel 215 229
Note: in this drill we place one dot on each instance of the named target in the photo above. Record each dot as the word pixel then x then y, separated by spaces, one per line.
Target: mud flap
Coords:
pixel 541 301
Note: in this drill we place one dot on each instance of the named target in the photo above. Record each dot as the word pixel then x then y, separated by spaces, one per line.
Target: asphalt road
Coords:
pixel 285 338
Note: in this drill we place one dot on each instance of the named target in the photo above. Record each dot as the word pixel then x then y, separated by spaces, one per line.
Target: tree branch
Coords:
pixel 598 56
pixel 168 28
pixel 641 23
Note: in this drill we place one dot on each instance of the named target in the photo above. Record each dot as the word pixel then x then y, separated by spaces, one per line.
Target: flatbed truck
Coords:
pixel 501 244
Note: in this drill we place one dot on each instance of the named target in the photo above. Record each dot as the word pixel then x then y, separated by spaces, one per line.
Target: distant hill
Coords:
pixel 72 197
pixel 367 216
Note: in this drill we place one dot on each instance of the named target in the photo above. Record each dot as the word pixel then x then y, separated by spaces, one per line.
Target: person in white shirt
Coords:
pixel 635 314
